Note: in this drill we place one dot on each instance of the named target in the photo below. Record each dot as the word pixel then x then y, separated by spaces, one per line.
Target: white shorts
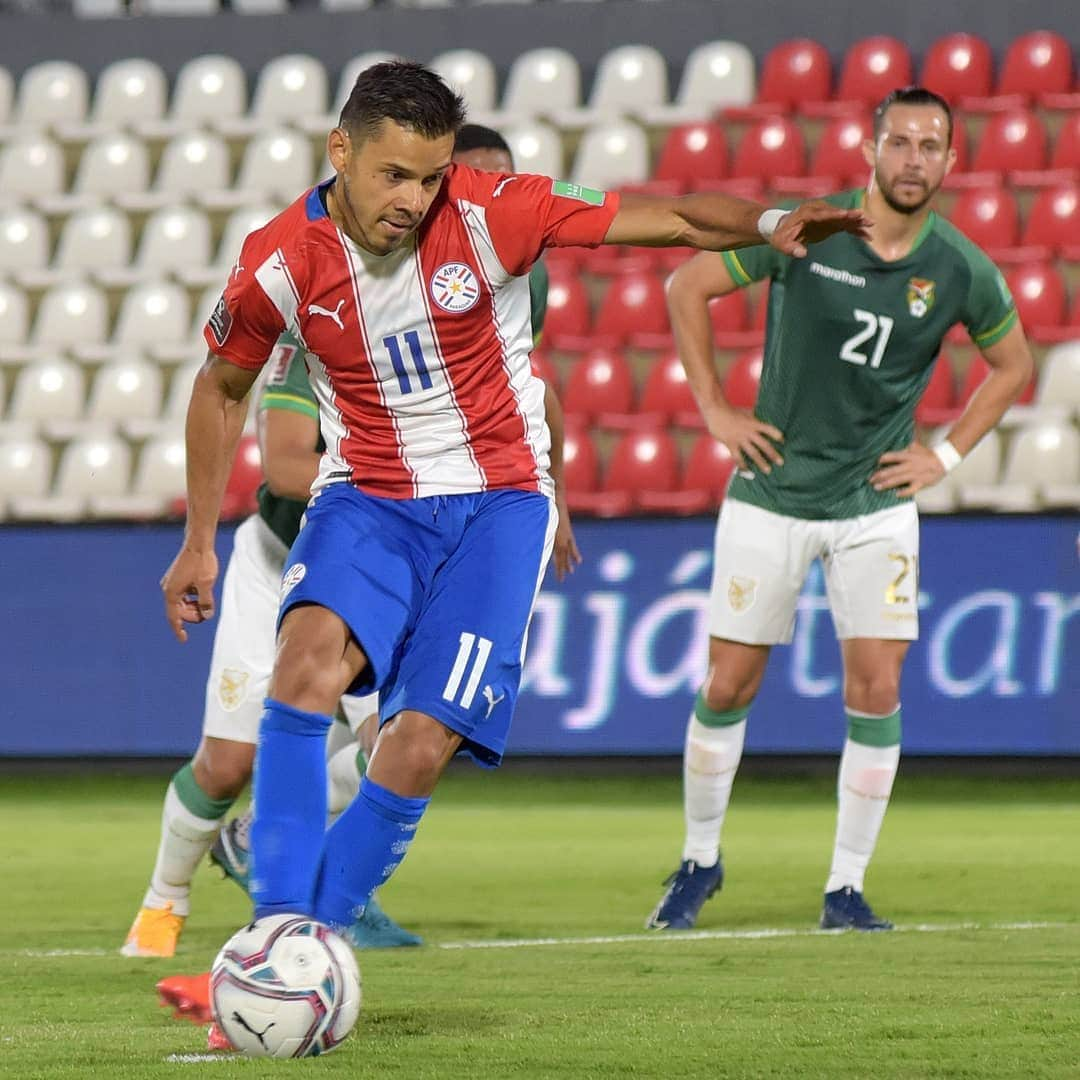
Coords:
pixel 246 635
pixel 762 559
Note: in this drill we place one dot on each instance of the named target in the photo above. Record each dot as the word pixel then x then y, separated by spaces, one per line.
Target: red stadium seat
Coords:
pixel 667 396
pixel 976 372
pixel 600 382
pixel 543 368
pixel 730 317
pixel 771 148
pixel 742 379
pixel 938 403
pixel 988 216
pixel 634 308
pixel 709 467
pixel 1040 299
pixel 581 467
pixel 693 153
pixel 1012 142
pixel 1035 64
pixel 794 72
pixel 1054 221
pixel 872 68
pixel 958 66
pixel 1066 153
pixel 643 464
pixel 839 152
pixel 244 481
pixel 567 322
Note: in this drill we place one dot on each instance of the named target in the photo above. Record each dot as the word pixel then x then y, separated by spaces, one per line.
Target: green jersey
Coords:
pixel 850 342
pixel 538 293
pixel 286 387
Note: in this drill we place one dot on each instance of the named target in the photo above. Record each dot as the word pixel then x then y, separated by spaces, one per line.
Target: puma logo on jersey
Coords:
pixel 314 309
pixel 491 699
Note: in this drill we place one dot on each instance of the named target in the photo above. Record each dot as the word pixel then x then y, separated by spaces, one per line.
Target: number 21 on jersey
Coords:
pixel 869 341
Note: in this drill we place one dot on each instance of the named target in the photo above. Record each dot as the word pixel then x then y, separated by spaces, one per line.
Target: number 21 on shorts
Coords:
pixel 461 663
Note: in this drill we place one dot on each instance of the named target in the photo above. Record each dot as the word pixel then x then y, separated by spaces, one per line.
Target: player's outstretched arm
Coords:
pixel 689 291
pixel 215 421
pixel 916 467
pixel 717 222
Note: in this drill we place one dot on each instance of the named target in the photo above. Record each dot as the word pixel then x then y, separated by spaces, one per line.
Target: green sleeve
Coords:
pixel 287 385
pixel 538 293
pixel 989 311
pixel 754 263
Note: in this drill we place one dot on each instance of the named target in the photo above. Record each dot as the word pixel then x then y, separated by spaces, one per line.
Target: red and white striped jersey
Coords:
pixel 420 358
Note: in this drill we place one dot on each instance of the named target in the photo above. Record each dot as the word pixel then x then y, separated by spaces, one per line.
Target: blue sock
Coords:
pixel 363 848
pixel 290 809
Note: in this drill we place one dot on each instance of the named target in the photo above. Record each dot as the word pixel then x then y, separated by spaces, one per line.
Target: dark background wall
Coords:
pixel 587 29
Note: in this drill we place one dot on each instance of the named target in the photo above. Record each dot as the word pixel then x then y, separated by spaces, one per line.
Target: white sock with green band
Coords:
pixel 714 745
pixel 190 820
pixel 868 767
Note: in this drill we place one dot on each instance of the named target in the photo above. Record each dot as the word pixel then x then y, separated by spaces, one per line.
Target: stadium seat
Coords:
pixel 47 395
pixel 152 315
pixel 717 74
pixel 611 155
pixel 1042 467
pixel 771 148
pixel 988 216
pixel 634 310
pixel 1053 224
pixel 1036 64
pixel 244 480
pixel 124 390
pixel 541 82
pixel 24 240
pixel 239 224
pixel 872 67
pixel 977 371
pixel 111 165
pixel 692 153
pixel 14 319
pixel 288 88
pixel 472 74
pixel 708 468
pixel 129 91
pixel 173 240
pixel 630 80
pixel 1013 142
pixel 730 317
pixel 159 483
pixel 600 384
pixel 91 241
pixel 1040 298
pixel 1066 153
pixel 839 151
pixel 1059 378
pixel 278 164
pixel 51 92
pixel 88 468
pixel 208 89
pixel 7 94
pixel 69 315
pixel 794 71
pixel 25 467
pixel 190 164
pixel 741 380
pixel 31 166
pixel 666 397
pixel 581 467
pixel 978 470
pixel 958 66
pixel 568 318
pixel 938 403
pixel 644 468
pixel 180 7
pixel 536 148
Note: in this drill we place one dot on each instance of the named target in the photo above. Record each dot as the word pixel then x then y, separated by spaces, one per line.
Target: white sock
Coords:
pixel 343 772
pixel 862 792
pixel 185 839
pixel 710 758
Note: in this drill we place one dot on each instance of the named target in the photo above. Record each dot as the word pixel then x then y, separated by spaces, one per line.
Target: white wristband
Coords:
pixel 768 222
pixel 948 455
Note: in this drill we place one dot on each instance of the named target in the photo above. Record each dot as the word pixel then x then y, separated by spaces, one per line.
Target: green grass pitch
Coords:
pixel 982 980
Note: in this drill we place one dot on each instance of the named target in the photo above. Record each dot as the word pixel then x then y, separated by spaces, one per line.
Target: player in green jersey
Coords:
pixel 827 465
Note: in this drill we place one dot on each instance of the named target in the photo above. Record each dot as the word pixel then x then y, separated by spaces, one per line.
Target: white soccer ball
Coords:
pixel 285 986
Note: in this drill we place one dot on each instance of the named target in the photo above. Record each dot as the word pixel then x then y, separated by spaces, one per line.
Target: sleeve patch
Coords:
pixel 220 322
pixel 590 196
pixel 279 362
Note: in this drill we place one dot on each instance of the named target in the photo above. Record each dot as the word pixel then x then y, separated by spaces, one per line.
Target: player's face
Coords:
pixel 387 182
pixel 911 155
pixel 486 159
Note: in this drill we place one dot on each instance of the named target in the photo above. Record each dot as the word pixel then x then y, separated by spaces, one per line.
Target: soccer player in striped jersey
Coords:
pixel 432 517
pixel 827 467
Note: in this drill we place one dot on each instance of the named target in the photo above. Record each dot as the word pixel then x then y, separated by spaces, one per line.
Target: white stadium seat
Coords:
pixel 128 91
pixel 111 165
pixel 977 472
pixel 31 166
pixel 94 240
pixel 24 240
pixel 47 394
pixel 717 74
pixel 208 89
pixel 536 148
pixel 14 319
pixel 71 315
pixel 471 74
pixel 1042 467
pixel 277 164
pixel 1059 379
pixel 190 164
pixel 179 7
pixel 174 240
pixel 629 80
pixel 160 479
pixel 51 92
pixel 89 469
pixel 153 315
pixel 7 94
pixel 611 155
pixel 541 82
pixel 125 390
pixel 289 88
pixel 25 467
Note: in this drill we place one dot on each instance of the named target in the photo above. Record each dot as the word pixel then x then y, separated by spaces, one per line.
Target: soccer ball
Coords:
pixel 285 986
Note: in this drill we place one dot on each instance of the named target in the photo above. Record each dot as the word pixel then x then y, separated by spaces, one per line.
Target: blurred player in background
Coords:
pixel 827 467
pixel 433 514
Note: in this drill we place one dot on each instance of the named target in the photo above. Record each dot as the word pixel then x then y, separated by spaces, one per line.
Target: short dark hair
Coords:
pixel 407 93
pixel 911 95
pixel 478 137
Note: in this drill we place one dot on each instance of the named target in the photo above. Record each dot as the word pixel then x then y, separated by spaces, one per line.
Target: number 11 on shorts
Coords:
pixel 457 673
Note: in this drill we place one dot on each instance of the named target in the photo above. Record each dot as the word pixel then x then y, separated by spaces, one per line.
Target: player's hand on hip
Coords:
pixel 188 586
pixel 750 440
pixel 814 221
pixel 907 471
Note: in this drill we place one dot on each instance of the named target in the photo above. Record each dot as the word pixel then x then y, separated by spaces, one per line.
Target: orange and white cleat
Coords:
pixel 188 996
pixel 216 1039
pixel 154 932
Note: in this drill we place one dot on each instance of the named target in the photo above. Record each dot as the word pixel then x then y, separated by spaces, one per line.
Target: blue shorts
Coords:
pixel 438 592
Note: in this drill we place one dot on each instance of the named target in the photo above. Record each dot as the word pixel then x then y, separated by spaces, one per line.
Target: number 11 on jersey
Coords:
pixel 873 326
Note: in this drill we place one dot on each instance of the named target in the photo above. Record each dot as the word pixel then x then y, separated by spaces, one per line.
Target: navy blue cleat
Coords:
pixel 688 889
pixel 376 930
pixel 846 909
pixel 230 850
